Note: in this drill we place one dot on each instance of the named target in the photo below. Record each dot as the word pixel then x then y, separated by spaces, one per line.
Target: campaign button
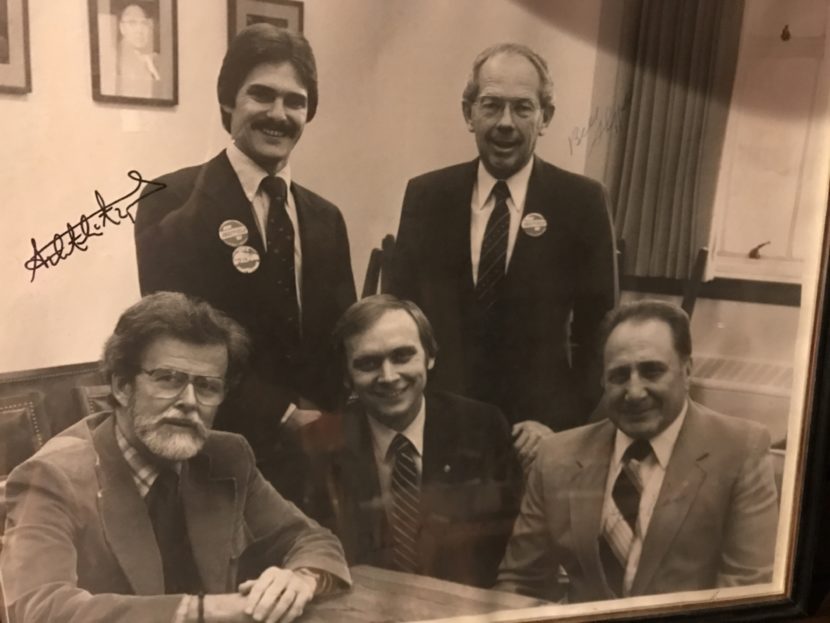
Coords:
pixel 245 259
pixel 534 224
pixel 233 233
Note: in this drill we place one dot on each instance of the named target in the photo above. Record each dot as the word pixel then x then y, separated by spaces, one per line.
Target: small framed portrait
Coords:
pixel 134 51
pixel 15 67
pixel 281 13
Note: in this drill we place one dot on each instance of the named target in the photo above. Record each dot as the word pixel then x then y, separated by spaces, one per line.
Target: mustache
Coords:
pixel 195 423
pixel 285 126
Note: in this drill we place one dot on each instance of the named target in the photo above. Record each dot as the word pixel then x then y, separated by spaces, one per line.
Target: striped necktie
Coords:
pixel 406 501
pixel 493 259
pixel 620 525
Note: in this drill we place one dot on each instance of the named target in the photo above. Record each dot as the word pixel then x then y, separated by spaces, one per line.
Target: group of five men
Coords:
pixel 508 264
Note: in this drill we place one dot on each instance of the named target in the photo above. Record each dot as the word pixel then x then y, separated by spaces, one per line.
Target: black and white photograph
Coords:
pixel 15 69
pixel 415 310
pixel 134 51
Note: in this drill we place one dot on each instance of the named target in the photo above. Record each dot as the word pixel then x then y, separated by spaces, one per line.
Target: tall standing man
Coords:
pixel 239 233
pixel 512 259
pixel 662 496
pixel 144 513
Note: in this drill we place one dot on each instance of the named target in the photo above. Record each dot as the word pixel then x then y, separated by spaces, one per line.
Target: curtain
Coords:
pixel 675 81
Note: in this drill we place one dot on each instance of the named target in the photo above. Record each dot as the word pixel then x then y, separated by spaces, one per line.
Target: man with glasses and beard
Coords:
pixel 240 233
pixel 143 513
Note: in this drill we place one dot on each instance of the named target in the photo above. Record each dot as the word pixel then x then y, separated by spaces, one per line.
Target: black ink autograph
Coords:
pixel 64 244
pixel 600 122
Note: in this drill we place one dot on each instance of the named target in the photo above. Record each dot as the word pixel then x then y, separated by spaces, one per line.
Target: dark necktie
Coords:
pixel 167 516
pixel 406 496
pixel 617 537
pixel 279 235
pixel 493 259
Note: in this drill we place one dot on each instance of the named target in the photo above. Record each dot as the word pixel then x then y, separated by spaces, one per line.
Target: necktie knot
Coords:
pixel 639 450
pixel 275 188
pixel 401 446
pixel 500 191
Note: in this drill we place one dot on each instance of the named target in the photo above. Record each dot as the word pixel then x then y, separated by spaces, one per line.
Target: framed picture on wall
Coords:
pixel 15 68
pixel 134 51
pixel 282 13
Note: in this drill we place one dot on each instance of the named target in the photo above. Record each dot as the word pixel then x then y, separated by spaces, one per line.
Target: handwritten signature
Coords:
pixel 599 123
pixel 76 237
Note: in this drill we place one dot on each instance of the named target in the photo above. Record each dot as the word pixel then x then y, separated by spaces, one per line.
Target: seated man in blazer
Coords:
pixel 144 513
pixel 420 481
pixel 239 232
pixel 663 496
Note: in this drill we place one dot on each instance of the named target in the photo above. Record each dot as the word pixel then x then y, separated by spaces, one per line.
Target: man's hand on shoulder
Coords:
pixel 527 436
pixel 278 594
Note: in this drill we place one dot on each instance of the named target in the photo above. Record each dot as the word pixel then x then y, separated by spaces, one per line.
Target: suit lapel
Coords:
pixel 586 493
pixel 210 513
pixel 683 479
pixel 124 516
pixel 454 215
pixel 538 200
pixel 219 188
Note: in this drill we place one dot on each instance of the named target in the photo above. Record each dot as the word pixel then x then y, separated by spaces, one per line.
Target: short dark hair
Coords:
pixel 367 311
pixel 545 81
pixel 174 315
pixel 265 43
pixel 651 309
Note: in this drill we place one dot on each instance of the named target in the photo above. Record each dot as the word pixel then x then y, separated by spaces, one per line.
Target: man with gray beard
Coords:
pixel 144 513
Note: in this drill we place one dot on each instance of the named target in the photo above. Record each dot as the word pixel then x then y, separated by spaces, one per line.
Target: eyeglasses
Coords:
pixel 166 383
pixel 494 106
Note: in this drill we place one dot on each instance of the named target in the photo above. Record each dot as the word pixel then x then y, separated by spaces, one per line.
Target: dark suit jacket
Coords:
pixel 469 491
pixel 569 270
pixel 179 249
pixel 79 544
pixel 714 522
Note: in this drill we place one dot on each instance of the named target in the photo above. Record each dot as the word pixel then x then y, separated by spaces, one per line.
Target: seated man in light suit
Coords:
pixel 419 481
pixel 145 514
pixel 665 495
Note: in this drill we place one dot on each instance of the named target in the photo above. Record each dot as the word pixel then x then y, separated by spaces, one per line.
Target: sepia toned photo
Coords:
pixel 134 51
pixel 416 311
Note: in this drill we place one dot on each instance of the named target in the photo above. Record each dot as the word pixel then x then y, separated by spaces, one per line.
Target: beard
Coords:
pixel 173 435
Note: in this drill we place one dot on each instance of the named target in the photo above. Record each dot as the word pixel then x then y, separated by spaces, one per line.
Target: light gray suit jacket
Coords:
pixel 714 522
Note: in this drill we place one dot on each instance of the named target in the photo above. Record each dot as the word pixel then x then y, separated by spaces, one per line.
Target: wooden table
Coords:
pixel 383 596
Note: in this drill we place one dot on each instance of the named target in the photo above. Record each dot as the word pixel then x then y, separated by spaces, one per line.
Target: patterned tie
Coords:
pixel 493 259
pixel 406 501
pixel 167 517
pixel 620 527
pixel 279 235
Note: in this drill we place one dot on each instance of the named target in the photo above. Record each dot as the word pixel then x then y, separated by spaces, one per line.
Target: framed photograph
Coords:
pixel 15 67
pixel 688 155
pixel 281 13
pixel 134 51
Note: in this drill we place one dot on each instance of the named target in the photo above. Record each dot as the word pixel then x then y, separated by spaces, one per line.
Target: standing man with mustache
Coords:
pixel 239 233
pixel 511 258
pixel 144 514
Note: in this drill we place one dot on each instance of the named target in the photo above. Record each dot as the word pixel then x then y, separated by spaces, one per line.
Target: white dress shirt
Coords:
pixel 482 205
pixel 382 437
pixel 250 176
pixel 652 472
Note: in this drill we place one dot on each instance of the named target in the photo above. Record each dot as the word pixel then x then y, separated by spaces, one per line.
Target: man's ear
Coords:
pixel 430 363
pixel 687 369
pixel 226 108
pixel 467 110
pixel 121 389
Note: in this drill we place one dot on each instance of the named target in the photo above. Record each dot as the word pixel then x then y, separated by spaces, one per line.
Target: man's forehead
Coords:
pixel 168 351
pixel 276 74
pixel 393 330
pixel 640 340
pixel 509 73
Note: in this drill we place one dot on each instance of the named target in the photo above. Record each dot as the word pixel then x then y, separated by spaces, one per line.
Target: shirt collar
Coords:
pixel 143 472
pixel 662 444
pixel 250 174
pixel 517 183
pixel 383 435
